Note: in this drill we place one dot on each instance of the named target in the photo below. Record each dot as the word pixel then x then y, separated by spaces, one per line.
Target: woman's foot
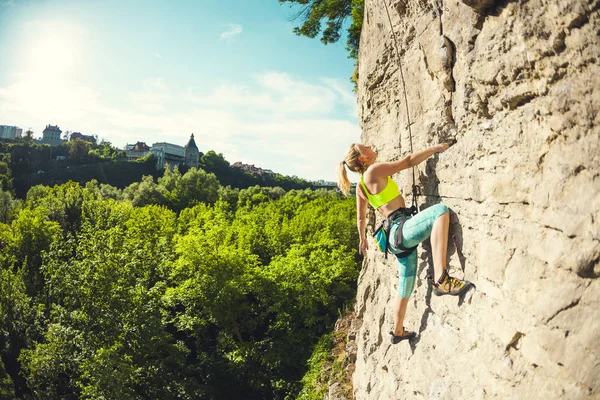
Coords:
pixel 405 335
pixel 449 285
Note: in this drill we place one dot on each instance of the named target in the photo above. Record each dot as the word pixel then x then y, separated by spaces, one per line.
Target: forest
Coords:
pixel 177 287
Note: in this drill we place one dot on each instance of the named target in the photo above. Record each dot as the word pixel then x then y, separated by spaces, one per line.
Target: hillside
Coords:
pixel 31 164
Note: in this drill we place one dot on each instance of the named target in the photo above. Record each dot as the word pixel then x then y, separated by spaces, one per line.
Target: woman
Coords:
pixel 377 188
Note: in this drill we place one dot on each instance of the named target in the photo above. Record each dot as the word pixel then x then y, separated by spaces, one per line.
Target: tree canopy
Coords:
pixel 175 288
pixel 333 14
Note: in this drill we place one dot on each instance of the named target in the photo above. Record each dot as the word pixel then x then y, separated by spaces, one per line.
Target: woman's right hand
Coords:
pixel 362 247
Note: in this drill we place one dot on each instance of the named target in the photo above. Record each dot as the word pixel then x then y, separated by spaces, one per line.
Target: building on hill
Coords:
pixel 10 132
pixel 51 135
pixel 135 151
pixel 252 168
pixel 79 135
pixel 172 154
pixel 168 153
pixel 192 155
pixel 329 184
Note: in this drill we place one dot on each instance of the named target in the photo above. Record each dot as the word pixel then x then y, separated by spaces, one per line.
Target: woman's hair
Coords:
pixel 351 161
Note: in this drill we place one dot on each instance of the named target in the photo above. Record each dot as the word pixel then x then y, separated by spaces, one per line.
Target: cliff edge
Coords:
pixel 516 84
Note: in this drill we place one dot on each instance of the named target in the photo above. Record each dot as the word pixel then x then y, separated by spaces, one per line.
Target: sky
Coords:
pixel 232 72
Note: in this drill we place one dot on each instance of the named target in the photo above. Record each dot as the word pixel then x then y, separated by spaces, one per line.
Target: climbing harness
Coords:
pixel 415 190
pixel 382 234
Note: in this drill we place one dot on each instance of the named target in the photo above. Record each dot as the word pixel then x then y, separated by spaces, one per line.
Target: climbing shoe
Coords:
pixel 449 285
pixel 406 335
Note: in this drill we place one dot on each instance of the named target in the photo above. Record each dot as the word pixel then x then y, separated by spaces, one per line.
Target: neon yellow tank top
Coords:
pixel 385 196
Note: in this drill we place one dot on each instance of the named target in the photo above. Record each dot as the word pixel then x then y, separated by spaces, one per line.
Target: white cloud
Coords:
pixel 345 96
pixel 158 55
pixel 232 31
pixel 289 121
pixel 275 93
pixel 155 91
pixel 156 83
pixel 152 108
pixel 272 120
pixel 7 2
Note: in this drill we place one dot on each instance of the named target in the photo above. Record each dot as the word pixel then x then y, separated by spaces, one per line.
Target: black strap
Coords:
pixel 387 238
pixel 406 251
pixel 401 214
pixel 414 208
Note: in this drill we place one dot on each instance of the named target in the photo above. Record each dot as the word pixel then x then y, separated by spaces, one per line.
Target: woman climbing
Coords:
pixel 377 188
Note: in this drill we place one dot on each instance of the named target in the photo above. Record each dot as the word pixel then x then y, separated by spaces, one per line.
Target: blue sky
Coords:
pixel 231 72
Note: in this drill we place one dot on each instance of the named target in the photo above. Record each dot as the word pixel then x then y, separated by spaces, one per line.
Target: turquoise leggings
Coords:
pixel 415 230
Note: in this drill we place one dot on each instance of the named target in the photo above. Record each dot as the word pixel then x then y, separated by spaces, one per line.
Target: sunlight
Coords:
pixel 53 53
pixel 48 84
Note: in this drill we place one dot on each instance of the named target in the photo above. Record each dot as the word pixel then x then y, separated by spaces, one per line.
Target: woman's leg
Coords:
pixel 407 273
pixel 439 244
pixel 435 222
pixel 401 303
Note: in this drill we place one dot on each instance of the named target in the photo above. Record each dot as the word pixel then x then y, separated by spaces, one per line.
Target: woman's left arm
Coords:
pixel 419 157
pixel 390 168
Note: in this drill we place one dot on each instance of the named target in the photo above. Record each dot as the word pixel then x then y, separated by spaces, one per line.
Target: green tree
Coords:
pixel 7 387
pixel 78 149
pixel 170 179
pixel 145 192
pixel 229 196
pixel 252 196
pixel 5 176
pixel 107 151
pixel 105 336
pixel 334 12
pixel 110 192
pixel 16 320
pixel 218 165
pixel 62 203
pixel 8 206
pixel 94 155
pixel 28 138
pixel 33 234
pixel 195 186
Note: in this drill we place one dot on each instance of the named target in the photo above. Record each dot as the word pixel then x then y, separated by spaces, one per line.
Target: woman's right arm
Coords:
pixel 361 220
pixel 390 168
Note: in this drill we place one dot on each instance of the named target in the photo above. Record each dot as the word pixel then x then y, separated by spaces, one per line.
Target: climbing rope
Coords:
pixel 415 191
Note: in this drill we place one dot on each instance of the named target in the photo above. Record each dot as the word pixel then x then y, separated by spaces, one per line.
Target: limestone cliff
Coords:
pixel 517 85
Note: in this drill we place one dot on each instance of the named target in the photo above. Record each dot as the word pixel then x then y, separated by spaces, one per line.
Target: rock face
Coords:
pixel 517 85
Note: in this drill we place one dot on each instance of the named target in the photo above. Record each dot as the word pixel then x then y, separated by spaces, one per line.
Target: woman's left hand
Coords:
pixel 439 148
pixel 362 247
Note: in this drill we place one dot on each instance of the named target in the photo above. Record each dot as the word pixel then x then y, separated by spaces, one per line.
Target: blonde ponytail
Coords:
pixel 351 161
pixel 342 178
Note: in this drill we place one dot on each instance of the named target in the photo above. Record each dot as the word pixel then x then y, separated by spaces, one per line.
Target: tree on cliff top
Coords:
pixel 313 12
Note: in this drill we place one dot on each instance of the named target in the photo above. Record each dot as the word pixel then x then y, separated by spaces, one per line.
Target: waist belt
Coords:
pixel 400 215
pixel 406 212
